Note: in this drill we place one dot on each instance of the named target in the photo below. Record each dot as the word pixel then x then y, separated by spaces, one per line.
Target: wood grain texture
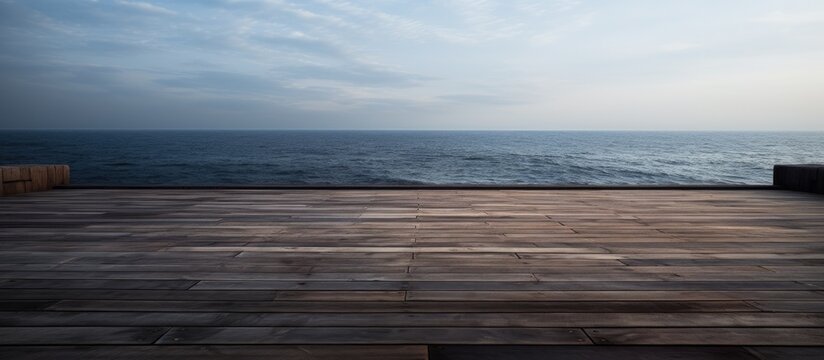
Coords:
pixel 55 335
pixel 172 352
pixel 707 336
pixel 369 335
pixel 520 352
pixel 242 273
pixel 19 179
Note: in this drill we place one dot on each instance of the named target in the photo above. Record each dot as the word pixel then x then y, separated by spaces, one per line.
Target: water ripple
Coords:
pixel 410 157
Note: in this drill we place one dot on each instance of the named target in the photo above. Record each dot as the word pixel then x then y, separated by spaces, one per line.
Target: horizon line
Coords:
pixel 412 130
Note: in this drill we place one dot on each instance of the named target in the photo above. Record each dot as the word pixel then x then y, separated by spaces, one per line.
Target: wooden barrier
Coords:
pixel 19 179
pixel 805 177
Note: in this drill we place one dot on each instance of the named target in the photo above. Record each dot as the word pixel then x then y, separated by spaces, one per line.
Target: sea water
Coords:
pixel 412 157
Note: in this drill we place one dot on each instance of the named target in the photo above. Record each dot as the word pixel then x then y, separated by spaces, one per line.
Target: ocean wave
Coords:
pixel 353 158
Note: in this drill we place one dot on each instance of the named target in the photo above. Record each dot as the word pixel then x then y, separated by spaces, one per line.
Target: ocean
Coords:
pixel 412 157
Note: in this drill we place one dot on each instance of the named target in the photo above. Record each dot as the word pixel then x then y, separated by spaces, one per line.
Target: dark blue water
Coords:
pixel 412 157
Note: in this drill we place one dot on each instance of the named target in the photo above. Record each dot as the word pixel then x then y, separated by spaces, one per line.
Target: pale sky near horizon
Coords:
pixel 388 64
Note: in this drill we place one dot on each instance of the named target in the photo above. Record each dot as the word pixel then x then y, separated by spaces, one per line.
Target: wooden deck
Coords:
pixel 411 274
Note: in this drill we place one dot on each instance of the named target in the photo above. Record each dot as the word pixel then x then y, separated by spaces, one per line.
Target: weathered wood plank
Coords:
pixel 332 335
pixel 143 294
pixel 393 249
pixel 506 285
pixel 535 352
pixel 96 284
pixel 173 352
pixel 439 319
pixel 708 336
pixel 787 353
pixel 789 306
pixel 79 335
pixel 158 275
pixel 416 266
pixel 17 305
pixel 637 295
pixel 413 306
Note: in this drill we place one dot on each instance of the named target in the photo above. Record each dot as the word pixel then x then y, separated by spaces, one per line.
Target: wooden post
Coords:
pixel 803 177
pixel 18 179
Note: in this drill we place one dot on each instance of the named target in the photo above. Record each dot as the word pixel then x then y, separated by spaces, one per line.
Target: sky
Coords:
pixel 391 64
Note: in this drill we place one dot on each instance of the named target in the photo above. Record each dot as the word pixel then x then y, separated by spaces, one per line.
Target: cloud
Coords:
pixel 678 46
pixel 71 16
pixel 785 18
pixel 147 7
pixel 108 47
pixel 221 81
pixel 544 38
pixel 376 62
pixel 395 24
pixel 57 73
pixel 359 75
pixel 300 44
pixel 478 99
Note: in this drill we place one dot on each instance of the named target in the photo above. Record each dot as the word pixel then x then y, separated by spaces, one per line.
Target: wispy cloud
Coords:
pixel 300 44
pixel 359 75
pixel 679 46
pixel 790 18
pixel 147 7
pixel 481 99
pixel 533 62
pixel 221 81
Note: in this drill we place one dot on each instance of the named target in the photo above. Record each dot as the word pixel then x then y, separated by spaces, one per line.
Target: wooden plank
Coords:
pixel 190 295
pixel 234 268
pixel 537 352
pixel 172 352
pixel 343 335
pixel 158 275
pixel 389 319
pixel 79 335
pixel 22 305
pixel 787 352
pixel 96 284
pixel 610 295
pixel 720 262
pixel 629 270
pixel 411 307
pixel 789 306
pixel 392 249
pixel 506 285
pixel 300 285
pixel 286 295
pixel 476 265
pixel 708 336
